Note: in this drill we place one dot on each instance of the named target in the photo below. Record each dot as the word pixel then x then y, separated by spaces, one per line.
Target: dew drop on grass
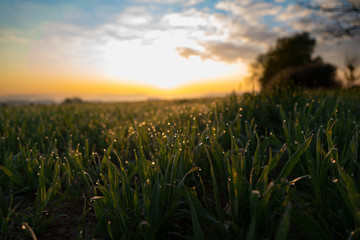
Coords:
pixel 256 192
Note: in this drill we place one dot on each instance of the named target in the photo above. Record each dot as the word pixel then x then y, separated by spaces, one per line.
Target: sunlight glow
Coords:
pixel 158 63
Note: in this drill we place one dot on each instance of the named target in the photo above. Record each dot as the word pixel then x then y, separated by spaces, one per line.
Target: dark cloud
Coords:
pixel 223 52
pixel 187 52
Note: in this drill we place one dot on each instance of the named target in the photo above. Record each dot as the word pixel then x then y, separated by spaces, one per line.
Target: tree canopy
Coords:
pixel 288 52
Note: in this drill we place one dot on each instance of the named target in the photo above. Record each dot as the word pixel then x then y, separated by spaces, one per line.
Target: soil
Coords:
pixel 70 226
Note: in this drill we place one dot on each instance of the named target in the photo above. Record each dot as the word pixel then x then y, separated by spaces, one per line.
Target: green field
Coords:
pixel 277 165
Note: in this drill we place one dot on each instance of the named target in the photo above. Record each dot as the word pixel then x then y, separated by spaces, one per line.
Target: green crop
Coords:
pixel 275 165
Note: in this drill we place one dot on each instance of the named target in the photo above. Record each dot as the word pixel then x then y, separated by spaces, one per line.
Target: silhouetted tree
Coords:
pixel 290 62
pixel 72 100
pixel 288 52
pixel 341 17
pixel 313 75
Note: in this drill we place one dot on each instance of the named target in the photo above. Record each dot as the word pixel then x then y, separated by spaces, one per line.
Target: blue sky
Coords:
pixel 198 40
pixel 20 13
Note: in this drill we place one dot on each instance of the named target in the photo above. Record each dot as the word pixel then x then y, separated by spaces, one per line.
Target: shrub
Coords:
pixel 316 75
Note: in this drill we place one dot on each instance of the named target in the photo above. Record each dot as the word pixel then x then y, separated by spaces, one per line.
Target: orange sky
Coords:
pixel 25 83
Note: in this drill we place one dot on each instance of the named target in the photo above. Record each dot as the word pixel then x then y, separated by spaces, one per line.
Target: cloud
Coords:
pixel 184 2
pixel 293 12
pixel 192 2
pixel 223 52
pixel 12 37
pixel 220 37
pixel 306 24
pixel 190 18
pixel 187 52
pixel 135 17
pixel 295 18
pixel 250 12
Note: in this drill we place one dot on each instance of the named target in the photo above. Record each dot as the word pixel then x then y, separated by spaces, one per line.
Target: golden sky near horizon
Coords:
pixel 22 81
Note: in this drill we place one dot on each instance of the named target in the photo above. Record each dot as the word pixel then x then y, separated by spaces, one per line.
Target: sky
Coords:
pixel 151 48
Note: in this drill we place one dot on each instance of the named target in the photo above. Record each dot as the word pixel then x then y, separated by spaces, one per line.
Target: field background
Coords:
pixel 276 165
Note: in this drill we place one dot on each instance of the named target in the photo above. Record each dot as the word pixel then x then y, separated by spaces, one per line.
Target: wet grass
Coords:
pixel 276 165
